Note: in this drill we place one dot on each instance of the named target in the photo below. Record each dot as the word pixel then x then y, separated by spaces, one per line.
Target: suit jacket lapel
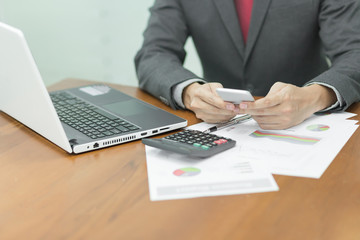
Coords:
pixel 228 15
pixel 259 11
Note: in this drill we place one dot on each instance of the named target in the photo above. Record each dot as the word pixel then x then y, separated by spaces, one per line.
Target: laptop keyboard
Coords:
pixel 88 119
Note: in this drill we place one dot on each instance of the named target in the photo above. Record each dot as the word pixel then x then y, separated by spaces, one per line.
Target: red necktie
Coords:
pixel 243 9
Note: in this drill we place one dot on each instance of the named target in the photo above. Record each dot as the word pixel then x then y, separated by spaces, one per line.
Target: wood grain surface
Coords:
pixel 46 193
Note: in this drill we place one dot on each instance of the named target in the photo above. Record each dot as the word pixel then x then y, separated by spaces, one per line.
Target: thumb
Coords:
pixel 213 86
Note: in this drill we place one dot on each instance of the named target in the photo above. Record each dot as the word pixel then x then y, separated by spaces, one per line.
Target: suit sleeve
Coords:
pixel 159 62
pixel 339 23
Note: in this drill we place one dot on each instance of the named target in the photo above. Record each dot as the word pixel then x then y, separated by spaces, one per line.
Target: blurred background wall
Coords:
pixel 88 39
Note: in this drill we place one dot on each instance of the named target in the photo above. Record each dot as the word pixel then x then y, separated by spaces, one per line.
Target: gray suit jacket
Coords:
pixel 288 41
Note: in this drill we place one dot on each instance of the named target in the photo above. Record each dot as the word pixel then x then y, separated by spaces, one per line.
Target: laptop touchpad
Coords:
pixel 128 108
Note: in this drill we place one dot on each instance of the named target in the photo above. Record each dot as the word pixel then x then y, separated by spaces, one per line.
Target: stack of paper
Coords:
pixel 305 150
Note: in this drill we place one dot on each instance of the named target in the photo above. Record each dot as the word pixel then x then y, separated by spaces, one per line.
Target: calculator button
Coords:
pixel 220 141
pixel 205 147
pixel 193 143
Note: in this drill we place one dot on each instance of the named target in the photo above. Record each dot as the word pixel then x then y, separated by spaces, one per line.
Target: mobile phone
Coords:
pixel 235 96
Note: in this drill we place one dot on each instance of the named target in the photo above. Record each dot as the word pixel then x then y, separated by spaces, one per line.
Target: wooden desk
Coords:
pixel 46 193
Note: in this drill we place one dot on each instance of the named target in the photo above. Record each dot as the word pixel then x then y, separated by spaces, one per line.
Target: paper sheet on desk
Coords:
pixel 175 176
pixel 305 150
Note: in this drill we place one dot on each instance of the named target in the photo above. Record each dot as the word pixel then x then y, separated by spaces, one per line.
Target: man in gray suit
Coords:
pixel 282 55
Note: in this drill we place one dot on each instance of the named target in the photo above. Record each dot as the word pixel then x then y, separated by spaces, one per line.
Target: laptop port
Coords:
pixel 96 145
pixel 144 134
pixel 154 131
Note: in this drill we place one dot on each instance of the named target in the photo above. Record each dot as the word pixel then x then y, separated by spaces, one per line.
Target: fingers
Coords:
pixel 272 104
pixel 208 94
pixel 206 104
pixel 283 107
pixel 268 105
pixel 208 112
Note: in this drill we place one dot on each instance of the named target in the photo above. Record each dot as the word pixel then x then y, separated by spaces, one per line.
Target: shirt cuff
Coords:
pixel 340 100
pixel 179 88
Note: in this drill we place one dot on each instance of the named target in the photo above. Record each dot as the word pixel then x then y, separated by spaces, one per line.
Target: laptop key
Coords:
pixel 123 129
pixel 86 118
pixel 108 115
pixel 108 133
pixel 116 131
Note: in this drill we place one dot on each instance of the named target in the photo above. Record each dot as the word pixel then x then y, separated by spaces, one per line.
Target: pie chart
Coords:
pixel 317 127
pixel 186 172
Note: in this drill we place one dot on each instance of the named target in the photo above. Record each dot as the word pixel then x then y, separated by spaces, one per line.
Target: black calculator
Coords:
pixel 192 142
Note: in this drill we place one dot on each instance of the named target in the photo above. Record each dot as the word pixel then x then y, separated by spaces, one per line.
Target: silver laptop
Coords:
pixel 79 119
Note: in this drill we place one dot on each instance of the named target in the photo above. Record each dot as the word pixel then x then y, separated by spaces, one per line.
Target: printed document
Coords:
pixel 175 176
pixel 305 150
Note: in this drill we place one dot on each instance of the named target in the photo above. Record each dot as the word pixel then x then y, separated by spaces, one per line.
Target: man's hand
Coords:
pixel 287 105
pixel 206 103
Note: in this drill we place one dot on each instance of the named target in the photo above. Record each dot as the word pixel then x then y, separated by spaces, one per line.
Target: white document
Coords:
pixel 175 176
pixel 305 150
